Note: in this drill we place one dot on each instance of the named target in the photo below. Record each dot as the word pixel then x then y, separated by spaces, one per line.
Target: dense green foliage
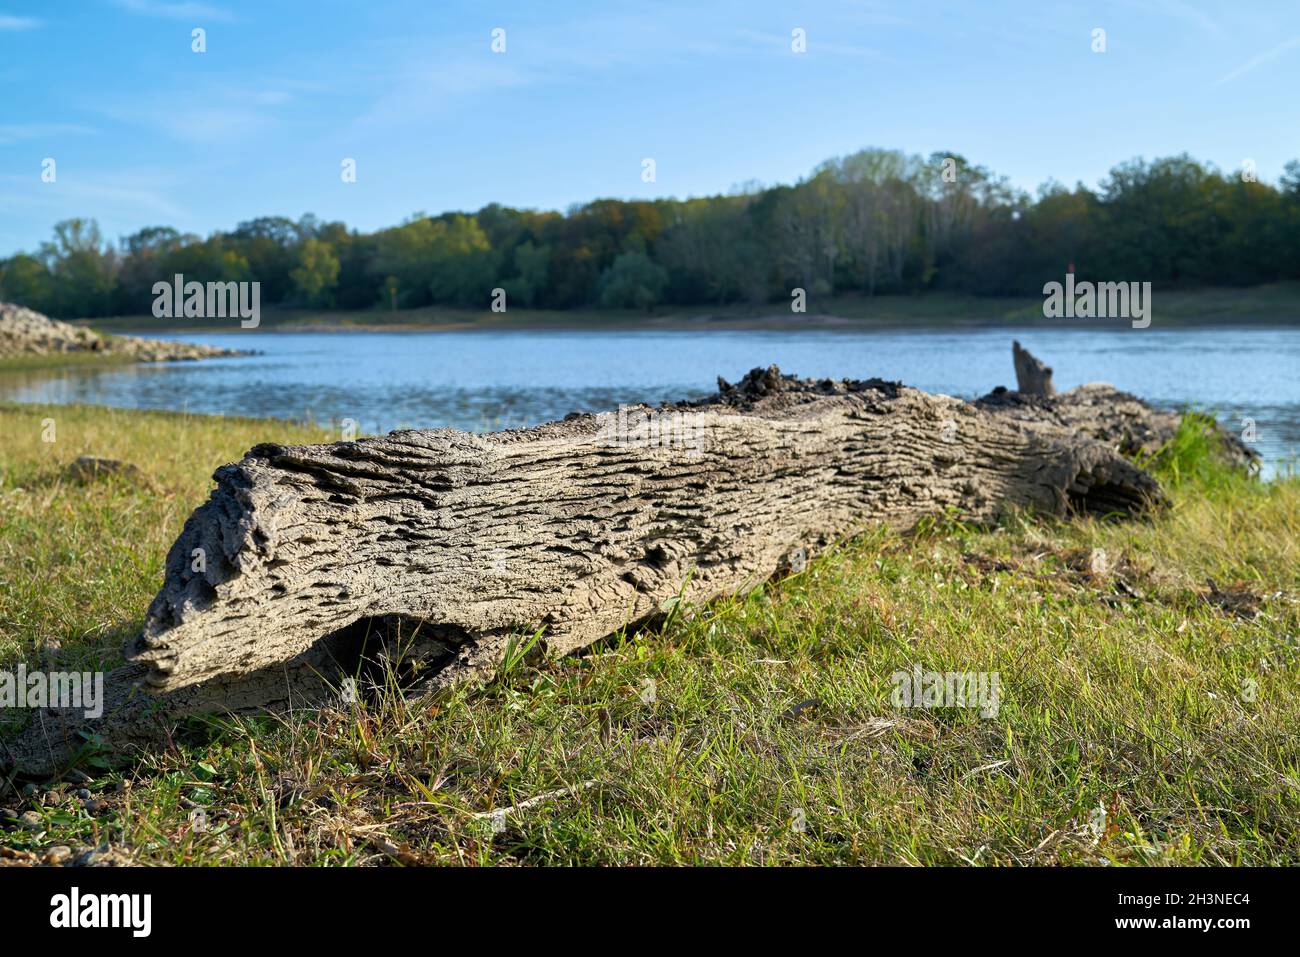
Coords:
pixel 875 222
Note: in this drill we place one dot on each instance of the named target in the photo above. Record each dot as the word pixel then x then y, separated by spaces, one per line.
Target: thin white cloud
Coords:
pixel 757 41
pixel 221 116
pixel 16 132
pixel 1260 60
pixel 72 196
pixel 187 10
pixel 1190 13
pixel 8 22
pixel 876 15
pixel 421 91
pixel 566 50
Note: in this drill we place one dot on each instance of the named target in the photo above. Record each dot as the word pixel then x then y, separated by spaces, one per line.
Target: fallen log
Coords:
pixel 584 526
pixel 446 546
pixel 1119 419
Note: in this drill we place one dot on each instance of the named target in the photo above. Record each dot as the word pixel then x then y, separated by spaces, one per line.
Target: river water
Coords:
pixel 481 380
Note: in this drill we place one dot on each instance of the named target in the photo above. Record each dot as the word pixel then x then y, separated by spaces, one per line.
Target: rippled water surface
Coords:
pixel 493 379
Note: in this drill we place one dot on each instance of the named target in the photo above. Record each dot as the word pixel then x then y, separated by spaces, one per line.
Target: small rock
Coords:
pixel 93 807
pixel 51 798
pixel 58 855
pixel 796 710
pixel 106 855
pixel 87 468
pixel 31 821
pixel 81 794
pixel 10 857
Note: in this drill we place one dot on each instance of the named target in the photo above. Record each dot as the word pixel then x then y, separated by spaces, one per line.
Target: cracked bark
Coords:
pixel 573 529
pixel 1119 419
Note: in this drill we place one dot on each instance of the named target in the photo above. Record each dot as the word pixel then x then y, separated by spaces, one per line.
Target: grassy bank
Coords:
pixel 1276 303
pixel 1143 717
pixel 61 360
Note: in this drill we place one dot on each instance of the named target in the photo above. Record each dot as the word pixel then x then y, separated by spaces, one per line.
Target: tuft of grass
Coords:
pixel 1194 455
pixel 1143 718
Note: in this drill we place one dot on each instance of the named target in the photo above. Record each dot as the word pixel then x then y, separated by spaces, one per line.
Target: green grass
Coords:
pixel 1139 722
pixel 59 361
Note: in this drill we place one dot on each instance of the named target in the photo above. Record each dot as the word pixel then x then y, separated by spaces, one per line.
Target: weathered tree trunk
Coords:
pixel 1097 410
pixel 572 530
pixel 1119 419
pixel 1033 377
pixel 583 526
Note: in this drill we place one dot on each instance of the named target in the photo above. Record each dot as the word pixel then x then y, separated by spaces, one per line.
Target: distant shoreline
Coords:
pixel 1271 305
pixel 816 324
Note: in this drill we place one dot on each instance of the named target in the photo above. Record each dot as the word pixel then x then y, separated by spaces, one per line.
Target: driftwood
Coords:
pixel 1119 419
pixel 440 548
pixel 1033 376
pixel 584 526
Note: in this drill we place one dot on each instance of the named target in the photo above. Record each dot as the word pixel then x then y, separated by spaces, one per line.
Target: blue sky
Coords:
pixel 146 132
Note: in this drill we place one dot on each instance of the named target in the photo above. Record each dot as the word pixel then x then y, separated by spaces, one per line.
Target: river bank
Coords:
pixel 1146 715
pixel 28 338
pixel 1276 304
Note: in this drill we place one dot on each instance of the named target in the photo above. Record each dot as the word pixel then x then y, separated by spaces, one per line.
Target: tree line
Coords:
pixel 875 222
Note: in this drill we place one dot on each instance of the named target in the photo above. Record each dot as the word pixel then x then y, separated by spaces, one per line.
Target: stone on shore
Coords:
pixel 25 332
